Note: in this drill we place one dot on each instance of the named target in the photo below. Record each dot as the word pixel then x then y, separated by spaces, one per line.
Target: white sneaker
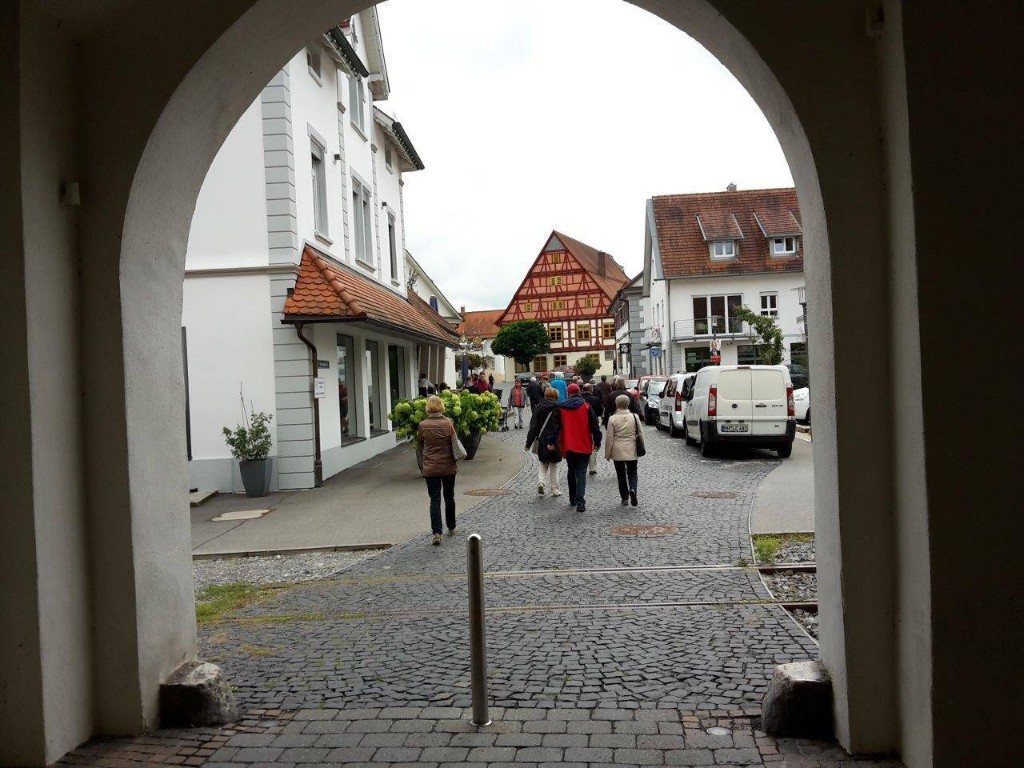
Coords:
pixel 556 492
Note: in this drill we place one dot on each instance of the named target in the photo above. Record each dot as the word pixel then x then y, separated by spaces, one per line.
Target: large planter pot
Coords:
pixel 255 477
pixel 471 442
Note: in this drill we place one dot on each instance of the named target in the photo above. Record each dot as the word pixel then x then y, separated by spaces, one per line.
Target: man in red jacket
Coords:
pixel 579 437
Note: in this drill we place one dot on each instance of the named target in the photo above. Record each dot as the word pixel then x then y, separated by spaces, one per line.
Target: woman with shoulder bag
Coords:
pixel 542 439
pixel 436 436
pixel 623 444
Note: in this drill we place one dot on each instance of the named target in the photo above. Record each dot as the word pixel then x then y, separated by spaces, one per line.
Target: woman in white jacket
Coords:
pixel 620 446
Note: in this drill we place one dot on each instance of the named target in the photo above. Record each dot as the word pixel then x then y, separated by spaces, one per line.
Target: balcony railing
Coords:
pixel 715 327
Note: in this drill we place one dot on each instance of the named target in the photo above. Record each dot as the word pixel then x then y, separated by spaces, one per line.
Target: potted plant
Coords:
pixel 472 415
pixel 250 444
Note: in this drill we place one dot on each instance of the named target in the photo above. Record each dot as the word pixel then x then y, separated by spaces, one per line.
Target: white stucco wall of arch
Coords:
pixel 160 96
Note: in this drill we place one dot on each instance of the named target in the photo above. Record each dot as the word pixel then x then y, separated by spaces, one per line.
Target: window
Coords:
pixel 313 63
pixel 540 364
pixel 556 258
pixel 319 176
pixel 783 246
pixel 356 98
pixel 398 375
pixel 559 304
pixel 388 159
pixel 697 358
pixel 749 354
pixel 361 223
pixel 588 303
pixel 582 331
pixel 723 249
pixel 609 355
pixel 721 318
pixel 556 280
pixel 798 355
pixel 377 424
pixel 608 329
pixel 393 246
pixel 561 360
pixel 346 387
pixel 528 306
pixel 555 332
pixel 770 304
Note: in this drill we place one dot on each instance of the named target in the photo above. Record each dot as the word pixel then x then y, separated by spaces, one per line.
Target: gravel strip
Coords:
pixel 792 586
pixel 808 620
pixel 793 551
pixel 308 566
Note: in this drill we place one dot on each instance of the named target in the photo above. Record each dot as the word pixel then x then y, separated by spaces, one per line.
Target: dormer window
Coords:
pixel 784 246
pixel 723 249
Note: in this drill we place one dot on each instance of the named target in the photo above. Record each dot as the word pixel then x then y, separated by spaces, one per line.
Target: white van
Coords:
pixel 670 407
pixel 743 405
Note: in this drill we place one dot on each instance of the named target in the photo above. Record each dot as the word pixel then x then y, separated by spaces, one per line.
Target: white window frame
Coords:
pixel 362 214
pixel 389 160
pixel 720 245
pixel 318 176
pixel 770 304
pixel 357 111
pixel 316 72
pixel 789 245
pixel 393 245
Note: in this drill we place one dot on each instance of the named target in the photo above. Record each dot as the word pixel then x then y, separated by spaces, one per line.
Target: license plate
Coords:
pixel 733 427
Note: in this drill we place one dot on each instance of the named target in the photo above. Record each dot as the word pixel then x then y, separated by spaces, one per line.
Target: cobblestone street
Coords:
pixel 615 636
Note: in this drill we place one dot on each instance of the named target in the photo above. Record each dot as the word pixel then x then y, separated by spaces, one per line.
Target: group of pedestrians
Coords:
pixel 569 428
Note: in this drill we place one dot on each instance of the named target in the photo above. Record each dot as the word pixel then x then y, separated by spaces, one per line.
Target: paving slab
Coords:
pixel 784 502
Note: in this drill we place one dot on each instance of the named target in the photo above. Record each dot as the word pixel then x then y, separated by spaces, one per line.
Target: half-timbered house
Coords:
pixel 570 288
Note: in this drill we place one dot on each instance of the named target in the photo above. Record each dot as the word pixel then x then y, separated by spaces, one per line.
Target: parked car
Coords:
pixel 650 393
pixel 741 404
pixel 631 387
pixel 672 402
pixel 802 404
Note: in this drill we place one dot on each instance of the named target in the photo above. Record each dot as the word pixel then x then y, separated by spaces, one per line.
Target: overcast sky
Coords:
pixel 555 114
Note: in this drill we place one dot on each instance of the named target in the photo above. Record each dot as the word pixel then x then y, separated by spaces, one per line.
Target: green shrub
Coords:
pixel 467 411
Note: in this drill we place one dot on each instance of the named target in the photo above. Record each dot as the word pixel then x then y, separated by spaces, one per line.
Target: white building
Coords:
pixel 708 254
pixel 296 264
pixel 631 359
pixel 479 329
pixel 418 281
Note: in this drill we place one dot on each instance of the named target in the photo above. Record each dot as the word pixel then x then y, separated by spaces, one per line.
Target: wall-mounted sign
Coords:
pixel 319 388
pixel 323 363
pixel 655 352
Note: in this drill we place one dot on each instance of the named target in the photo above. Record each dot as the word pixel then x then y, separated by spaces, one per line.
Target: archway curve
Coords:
pixel 213 94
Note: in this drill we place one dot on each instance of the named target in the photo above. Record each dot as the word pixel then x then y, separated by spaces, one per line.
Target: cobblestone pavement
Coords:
pixel 604 646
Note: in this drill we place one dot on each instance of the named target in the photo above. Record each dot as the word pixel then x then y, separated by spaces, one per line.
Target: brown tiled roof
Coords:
pixel 325 291
pixel 612 279
pixel 482 324
pixel 757 214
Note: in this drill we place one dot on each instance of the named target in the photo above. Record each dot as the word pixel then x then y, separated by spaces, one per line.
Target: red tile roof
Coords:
pixel 482 324
pixel 748 216
pixel 613 278
pixel 326 291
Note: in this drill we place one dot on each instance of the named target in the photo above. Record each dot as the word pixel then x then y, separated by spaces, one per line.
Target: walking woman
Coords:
pixel 437 464
pixel 620 447
pixel 544 428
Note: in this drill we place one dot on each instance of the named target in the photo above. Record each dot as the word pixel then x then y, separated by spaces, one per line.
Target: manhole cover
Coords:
pixel 644 531
pixel 714 495
pixel 489 492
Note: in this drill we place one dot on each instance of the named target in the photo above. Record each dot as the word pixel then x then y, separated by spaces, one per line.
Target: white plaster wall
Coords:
pixel 389 201
pixel 230 348
pixel 229 227
pixel 751 287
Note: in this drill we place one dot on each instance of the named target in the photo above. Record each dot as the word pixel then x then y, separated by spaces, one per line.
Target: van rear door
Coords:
pixel 768 395
pixel 735 410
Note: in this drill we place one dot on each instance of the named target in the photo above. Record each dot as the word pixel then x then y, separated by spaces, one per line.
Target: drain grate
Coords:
pixel 714 495
pixel 644 531
pixel 489 492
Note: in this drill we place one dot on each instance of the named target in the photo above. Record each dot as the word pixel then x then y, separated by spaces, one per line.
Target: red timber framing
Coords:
pixel 569 288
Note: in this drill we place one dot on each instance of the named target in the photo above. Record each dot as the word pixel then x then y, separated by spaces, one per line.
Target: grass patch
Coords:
pixel 766 547
pixel 214 602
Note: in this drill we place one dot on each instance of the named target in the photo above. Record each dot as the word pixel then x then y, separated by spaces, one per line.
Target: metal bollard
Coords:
pixel 477 633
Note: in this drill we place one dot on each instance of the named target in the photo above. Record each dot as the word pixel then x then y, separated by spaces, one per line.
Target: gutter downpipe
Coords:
pixel 318 466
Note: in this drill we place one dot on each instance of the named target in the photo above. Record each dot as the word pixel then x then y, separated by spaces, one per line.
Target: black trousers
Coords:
pixel 577 476
pixel 625 473
pixel 436 486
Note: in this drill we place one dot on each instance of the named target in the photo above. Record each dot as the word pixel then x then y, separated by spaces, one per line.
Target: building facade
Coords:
pixel 628 310
pixel 296 296
pixel 478 331
pixel 707 255
pixel 417 281
pixel 569 289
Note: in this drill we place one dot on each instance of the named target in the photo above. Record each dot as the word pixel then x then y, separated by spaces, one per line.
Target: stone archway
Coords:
pixel 150 137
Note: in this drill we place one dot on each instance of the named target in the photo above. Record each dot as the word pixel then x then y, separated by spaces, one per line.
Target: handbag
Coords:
pixel 535 445
pixel 458 449
pixel 641 449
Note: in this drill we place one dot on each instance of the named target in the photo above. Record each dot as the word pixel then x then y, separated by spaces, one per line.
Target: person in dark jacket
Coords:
pixel 605 387
pixel 434 436
pixel 619 388
pixel 534 391
pixel 597 406
pixel 579 438
pixel 545 427
pixel 517 399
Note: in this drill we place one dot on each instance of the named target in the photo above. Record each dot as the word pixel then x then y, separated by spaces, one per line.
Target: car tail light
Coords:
pixel 713 401
pixel 679 401
pixel 790 405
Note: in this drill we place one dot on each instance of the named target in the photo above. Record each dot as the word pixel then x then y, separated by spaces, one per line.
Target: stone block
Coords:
pixel 196 694
pixel 799 701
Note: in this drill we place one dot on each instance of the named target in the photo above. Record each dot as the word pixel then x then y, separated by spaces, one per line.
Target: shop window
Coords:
pixel 398 375
pixel 373 393
pixel 561 360
pixel 697 358
pixel 347 400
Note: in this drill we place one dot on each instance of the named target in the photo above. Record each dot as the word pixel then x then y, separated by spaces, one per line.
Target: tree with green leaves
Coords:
pixel 770 350
pixel 522 340
pixel 586 366
pixel 475 360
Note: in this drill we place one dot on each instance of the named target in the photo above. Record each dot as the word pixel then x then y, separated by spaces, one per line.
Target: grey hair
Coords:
pixel 619 383
pixel 622 402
